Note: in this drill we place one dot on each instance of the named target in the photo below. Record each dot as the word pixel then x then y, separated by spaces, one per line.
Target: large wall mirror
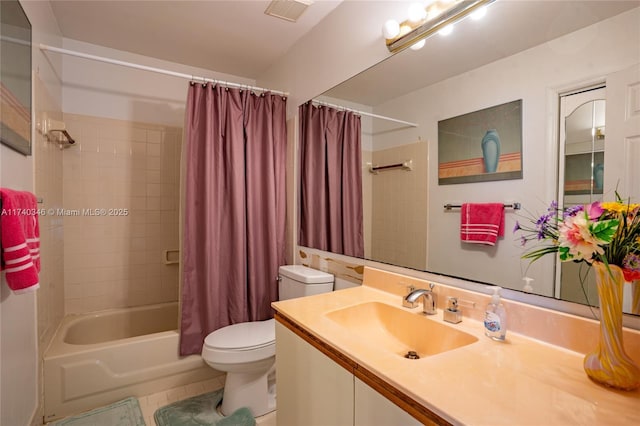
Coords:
pixel 528 51
pixel 15 77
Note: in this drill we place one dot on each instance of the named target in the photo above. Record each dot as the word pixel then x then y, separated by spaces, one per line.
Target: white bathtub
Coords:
pixel 99 358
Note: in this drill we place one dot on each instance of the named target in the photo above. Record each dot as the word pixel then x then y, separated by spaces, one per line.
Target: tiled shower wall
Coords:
pixel 399 219
pixel 121 198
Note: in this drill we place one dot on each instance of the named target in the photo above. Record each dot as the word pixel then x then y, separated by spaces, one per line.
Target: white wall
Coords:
pixel 113 91
pixel 536 76
pixel 19 390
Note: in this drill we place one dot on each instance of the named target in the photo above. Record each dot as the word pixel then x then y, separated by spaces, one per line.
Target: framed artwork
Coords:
pixel 481 146
pixel 15 77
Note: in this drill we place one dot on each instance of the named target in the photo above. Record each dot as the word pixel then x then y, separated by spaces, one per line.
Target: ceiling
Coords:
pixel 234 37
pixel 509 27
pixel 237 37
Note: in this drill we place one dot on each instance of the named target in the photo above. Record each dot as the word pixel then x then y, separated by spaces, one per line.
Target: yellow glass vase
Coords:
pixel 609 364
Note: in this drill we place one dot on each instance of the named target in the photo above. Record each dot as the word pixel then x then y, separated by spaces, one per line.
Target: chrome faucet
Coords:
pixel 428 299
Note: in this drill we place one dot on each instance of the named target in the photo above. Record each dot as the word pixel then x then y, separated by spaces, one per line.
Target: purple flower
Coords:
pixel 553 208
pixel 543 220
pixel 632 262
pixel 571 211
pixel 543 225
pixel 517 227
pixel 523 240
pixel 631 267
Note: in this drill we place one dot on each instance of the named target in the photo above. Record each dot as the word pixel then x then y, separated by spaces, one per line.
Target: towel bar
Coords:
pixel 406 165
pixel 514 206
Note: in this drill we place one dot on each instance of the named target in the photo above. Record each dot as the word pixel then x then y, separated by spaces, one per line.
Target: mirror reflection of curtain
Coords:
pixel 331 216
pixel 234 215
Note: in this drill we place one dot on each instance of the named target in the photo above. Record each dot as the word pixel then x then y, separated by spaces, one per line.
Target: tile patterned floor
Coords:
pixel 150 403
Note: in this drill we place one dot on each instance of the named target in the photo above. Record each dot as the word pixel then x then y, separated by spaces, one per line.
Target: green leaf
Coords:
pixel 604 230
pixel 564 254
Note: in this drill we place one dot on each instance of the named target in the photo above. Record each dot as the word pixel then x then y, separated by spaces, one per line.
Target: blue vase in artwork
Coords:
pixel 491 151
pixel 598 175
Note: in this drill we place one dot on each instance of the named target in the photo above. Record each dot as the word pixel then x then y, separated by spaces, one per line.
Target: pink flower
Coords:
pixel 574 233
pixel 594 210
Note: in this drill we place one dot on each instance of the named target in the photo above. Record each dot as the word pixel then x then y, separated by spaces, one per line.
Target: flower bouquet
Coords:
pixel 606 236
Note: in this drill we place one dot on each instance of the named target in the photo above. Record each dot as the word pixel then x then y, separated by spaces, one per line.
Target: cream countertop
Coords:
pixel 518 382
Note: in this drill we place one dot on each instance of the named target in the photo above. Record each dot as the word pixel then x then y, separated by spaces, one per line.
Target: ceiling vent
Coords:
pixel 289 10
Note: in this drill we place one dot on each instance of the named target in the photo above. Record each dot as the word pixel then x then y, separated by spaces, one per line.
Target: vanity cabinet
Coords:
pixel 373 409
pixel 313 389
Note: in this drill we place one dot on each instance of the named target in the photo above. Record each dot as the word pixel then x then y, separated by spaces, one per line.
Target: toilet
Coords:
pixel 247 351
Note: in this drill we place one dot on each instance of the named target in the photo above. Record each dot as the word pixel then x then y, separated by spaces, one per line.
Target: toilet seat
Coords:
pixel 243 336
pixel 242 342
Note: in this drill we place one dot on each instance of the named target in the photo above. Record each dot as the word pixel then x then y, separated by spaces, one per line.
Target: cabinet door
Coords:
pixel 373 409
pixel 311 388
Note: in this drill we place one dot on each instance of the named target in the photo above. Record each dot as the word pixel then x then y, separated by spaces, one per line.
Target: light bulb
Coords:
pixel 479 14
pixel 391 29
pixel 434 11
pixel 418 45
pixel 405 29
pixel 416 12
pixel 446 30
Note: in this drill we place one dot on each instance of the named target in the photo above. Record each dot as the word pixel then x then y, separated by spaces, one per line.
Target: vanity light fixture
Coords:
pixel 423 21
pixel 479 14
pixel 418 44
pixel 445 31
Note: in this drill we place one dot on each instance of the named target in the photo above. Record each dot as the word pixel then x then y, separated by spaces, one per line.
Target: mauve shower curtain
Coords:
pixel 234 220
pixel 331 215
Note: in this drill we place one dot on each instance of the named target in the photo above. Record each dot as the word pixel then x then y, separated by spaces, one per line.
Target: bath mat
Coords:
pixel 122 413
pixel 201 410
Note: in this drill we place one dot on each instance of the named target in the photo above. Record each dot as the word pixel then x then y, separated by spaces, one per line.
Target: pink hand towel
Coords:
pixel 20 240
pixel 482 223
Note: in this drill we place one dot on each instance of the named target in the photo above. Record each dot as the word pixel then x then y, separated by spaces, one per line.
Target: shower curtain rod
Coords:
pixel 368 114
pixel 156 70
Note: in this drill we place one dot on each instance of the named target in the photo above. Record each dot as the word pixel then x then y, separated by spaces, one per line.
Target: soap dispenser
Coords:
pixel 495 317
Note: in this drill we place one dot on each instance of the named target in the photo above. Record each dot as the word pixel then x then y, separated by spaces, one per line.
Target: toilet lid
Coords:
pixel 243 336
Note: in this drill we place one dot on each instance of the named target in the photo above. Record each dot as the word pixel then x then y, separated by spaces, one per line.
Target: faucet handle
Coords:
pixel 405 302
pixel 452 303
pixel 430 302
pixel 452 314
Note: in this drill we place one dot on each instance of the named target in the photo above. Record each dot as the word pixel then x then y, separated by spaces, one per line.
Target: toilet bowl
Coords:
pixel 246 351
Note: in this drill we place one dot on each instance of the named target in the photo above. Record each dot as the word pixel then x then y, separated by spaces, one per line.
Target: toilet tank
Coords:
pixel 299 281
